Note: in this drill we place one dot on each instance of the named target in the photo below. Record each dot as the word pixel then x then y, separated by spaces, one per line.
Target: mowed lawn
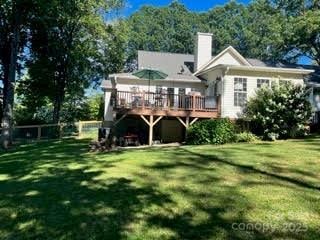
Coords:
pixel 57 190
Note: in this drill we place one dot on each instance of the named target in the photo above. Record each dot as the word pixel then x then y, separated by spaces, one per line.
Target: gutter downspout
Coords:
pixel 222 91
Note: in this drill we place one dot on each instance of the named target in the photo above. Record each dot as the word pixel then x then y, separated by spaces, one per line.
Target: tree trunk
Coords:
pixel 9 82
pixel 57 109
pixel 59 98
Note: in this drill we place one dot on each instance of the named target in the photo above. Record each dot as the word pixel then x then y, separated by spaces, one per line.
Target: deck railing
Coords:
pixel 131 100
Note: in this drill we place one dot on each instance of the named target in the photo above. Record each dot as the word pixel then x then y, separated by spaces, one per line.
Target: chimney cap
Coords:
pixel 205 34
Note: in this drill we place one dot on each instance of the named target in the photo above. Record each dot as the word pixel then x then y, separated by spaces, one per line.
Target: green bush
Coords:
pixel 282 111
pixel 246 137
pixel 217 131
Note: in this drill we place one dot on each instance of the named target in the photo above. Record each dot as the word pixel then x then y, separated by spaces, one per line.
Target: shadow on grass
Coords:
pixel 199 161
pixel 229 200
pixel 64 203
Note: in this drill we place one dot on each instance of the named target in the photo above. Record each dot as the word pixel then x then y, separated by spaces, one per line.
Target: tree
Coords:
pixel 14 19
pixel 167 29
pixel 68 50
pixel 254 30
pixel 305 37
pixel 280 111
pixel 301 27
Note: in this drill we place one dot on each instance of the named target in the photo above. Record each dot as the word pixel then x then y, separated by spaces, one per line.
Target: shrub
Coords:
pixel 217 131
pixel 281 111
pixel 246 137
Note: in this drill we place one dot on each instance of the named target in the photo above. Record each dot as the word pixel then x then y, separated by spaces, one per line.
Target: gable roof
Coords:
pixel 173 63
pixel 229 49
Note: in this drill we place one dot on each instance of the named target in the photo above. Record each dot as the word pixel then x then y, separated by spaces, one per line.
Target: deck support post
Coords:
pixel 187 123
pixel 119 120
pixel 151 131
pixel 194 120
pixel 151 123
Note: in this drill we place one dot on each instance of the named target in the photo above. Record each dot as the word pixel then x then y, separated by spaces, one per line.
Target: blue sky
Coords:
pixel 194 5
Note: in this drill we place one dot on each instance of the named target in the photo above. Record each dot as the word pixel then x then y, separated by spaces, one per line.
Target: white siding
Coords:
pixel 127 85
pixel 227 59
pixel 228 108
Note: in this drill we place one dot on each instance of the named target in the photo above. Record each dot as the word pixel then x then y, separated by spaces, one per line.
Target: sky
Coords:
pixel 194 5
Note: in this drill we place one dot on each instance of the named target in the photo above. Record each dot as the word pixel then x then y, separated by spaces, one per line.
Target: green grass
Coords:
pixel 57 190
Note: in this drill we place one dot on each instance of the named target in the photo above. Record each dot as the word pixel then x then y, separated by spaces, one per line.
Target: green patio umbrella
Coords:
pixel 150 74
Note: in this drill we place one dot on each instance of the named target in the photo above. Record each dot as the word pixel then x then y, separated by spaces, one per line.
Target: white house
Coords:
pixel 199 86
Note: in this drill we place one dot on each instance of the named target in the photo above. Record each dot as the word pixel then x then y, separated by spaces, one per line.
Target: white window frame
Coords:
pixel 240 89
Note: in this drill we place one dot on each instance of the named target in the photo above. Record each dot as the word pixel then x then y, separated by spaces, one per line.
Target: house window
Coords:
pixel 240 91
pixel 263 82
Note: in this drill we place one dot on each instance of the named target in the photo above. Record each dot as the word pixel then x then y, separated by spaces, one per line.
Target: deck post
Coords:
pixel 219 106
pixel 187 121
pixel 151 123
pixel 151 130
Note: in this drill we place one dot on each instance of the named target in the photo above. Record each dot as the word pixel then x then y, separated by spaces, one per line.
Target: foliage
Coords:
pixel 218 131
pixel 167 29
pixel 71 49
pixel 254 30
pixel 246 137
pixel 73 110
pixel 305 34
pixel 282 111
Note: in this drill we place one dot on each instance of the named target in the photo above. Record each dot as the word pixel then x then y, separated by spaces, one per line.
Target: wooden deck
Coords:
pixel 169 105
pixel 152 107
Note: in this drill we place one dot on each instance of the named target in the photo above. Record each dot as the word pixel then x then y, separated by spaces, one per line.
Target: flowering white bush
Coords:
pixel 281 111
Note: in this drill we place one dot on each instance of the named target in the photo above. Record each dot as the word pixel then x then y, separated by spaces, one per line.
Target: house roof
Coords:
pixel 173 63
pixel 261 69
pixel 177 66
pixel 230 49
pixel 180 67
pixel 311 78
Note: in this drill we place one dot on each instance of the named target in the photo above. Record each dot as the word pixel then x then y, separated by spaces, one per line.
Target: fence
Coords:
pixel 316 118
pixel 82 129
pixel 88 129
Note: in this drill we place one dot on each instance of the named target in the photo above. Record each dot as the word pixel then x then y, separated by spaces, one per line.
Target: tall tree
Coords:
pixel 67 49
pixel 14 16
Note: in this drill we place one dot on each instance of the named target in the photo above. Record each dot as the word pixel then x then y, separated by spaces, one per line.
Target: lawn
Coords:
pixel 57 190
